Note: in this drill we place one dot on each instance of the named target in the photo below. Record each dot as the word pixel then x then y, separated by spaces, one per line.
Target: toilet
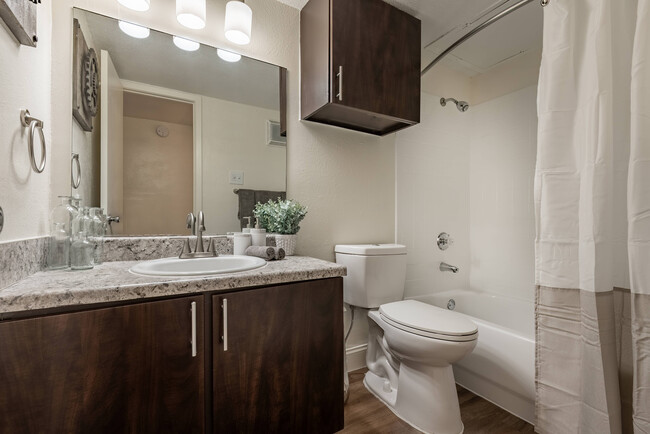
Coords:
pixel 411 345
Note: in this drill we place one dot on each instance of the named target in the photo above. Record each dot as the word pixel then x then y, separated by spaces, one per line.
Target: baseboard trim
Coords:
pixel 356 357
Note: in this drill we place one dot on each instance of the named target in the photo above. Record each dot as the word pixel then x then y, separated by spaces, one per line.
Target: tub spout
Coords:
pixel 446 267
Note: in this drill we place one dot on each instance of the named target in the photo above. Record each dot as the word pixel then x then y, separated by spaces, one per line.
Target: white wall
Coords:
pixel 346 178
pixel 25 83
pixel 503 148
pixel 234 138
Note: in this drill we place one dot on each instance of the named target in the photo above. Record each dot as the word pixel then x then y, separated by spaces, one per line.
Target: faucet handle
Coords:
pixel 212 248
pixel 187 250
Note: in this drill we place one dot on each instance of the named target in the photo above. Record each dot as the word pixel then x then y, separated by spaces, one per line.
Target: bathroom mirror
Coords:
pixel 160 131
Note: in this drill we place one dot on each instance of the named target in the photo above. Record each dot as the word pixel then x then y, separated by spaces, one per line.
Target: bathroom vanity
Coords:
pixel 109 351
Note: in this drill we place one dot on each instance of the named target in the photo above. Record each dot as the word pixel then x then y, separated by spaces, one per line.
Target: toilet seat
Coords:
pixel 429 321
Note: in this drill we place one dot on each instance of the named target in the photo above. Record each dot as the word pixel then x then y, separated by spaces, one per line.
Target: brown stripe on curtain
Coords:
pixel 576 362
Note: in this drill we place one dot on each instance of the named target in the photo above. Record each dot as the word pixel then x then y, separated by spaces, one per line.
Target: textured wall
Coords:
pixel 24 84
pixel 346 178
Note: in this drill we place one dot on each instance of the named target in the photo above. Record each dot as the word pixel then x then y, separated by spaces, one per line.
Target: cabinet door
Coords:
pixel 114 370
pixel 282 369
pixel 376 48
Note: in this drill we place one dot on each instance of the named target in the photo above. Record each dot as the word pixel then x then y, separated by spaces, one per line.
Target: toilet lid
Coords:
pixel 427 318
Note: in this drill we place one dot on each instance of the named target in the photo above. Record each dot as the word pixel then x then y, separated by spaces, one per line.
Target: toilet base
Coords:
pixel 443 413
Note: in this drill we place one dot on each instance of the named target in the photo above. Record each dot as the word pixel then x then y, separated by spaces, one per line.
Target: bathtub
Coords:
pixel 502 366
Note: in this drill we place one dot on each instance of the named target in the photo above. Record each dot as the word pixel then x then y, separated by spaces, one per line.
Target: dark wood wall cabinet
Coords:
pixel 360 65
pixel 261 360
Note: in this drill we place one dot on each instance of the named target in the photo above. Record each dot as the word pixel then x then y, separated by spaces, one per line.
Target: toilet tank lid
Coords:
pixel 371 249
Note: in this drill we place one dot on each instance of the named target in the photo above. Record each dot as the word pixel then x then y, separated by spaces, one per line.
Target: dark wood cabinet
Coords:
pixel 133 368
pixel 278 359
pixel 120 369
pixel 360 65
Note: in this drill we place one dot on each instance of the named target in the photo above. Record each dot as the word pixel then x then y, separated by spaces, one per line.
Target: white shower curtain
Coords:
pixel 592 195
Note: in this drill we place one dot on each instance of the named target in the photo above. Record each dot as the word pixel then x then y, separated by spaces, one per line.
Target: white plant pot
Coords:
pixel 287 242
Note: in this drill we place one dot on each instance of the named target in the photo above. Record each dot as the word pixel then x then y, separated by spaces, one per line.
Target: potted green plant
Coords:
pixel 281 218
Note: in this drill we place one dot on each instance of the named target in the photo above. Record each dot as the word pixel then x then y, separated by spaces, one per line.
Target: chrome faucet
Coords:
pixel 190 222
pixel 199 251
pixel 446 267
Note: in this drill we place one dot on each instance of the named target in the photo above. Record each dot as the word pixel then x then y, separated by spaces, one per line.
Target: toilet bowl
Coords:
pixel 409 363
pixel 411 345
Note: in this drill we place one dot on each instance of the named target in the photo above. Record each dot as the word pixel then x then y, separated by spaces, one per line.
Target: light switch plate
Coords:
pixel 237 177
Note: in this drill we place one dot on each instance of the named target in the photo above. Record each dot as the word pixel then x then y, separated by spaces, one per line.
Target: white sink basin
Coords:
pixel 197 266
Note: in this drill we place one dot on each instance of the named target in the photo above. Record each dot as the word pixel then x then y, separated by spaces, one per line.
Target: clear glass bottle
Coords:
pixel 82 250
pixel 97 232
pixel 60 234
pixel 76 202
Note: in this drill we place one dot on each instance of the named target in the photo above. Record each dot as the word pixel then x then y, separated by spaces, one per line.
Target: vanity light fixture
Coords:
pixel 136 5
pixel 228 56
pixel 239 20
pixel 191 13
pixel 186 44
pixel 134 30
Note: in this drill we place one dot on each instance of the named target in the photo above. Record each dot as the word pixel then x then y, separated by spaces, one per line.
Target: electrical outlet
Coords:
pixel 237 177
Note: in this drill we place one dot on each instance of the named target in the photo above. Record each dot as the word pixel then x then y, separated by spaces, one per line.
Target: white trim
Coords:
pixel 195 100
pixel 356 357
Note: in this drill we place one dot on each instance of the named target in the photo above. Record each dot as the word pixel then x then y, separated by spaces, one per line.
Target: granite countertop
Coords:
pixel 112 281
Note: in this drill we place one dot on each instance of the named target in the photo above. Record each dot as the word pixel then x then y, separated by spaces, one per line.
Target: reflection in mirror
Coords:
pixel 175 131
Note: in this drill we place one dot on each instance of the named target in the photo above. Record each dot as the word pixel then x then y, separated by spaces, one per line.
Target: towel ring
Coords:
pixel 34 124
pixel 76 181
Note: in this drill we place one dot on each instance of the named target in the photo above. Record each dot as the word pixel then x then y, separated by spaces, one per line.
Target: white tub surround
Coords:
pixel 501 368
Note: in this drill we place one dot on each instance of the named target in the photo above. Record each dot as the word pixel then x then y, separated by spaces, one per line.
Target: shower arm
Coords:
pixel 477 29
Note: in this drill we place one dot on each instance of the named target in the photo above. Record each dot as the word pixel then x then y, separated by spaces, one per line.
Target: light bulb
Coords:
pixel 239 20
pixel 191 13
pixel 228 56
pixel 186 44
pixel 136 5
pixel 133 30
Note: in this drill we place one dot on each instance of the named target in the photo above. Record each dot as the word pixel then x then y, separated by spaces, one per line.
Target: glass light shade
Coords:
pixel 191 13
pixel 239 19
pixel 228 56
pixel 133 30
pixel 186 44
pixel 136 5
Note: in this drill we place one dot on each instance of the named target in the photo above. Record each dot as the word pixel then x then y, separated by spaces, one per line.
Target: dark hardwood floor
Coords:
pixel 366 414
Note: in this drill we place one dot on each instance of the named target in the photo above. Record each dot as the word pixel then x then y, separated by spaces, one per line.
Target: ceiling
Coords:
pixel 445 21
pixel 157 61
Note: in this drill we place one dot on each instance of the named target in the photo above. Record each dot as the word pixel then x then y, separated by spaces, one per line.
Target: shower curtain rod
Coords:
pixel 474 31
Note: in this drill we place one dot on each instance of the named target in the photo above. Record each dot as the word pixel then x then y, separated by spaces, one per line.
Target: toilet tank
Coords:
pixel 376 273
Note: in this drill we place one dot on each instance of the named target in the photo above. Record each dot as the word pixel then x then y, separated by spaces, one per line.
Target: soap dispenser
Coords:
pixel 247 229
pixel 258 234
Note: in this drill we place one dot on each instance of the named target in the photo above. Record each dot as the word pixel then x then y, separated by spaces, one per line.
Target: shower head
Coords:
pixel 462 106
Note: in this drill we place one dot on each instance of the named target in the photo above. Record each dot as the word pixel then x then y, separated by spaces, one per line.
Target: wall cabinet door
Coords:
pixel 376 48
pixel 113 370
pixel 278 359
pixel 360 65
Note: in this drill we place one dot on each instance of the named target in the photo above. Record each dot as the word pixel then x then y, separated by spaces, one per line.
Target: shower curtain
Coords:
pixel 592 199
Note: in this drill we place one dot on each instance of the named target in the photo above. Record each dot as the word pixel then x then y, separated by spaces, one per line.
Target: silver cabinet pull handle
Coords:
pixel 224 338
pixel 75 180
pixel 340 76
pixel 193 308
